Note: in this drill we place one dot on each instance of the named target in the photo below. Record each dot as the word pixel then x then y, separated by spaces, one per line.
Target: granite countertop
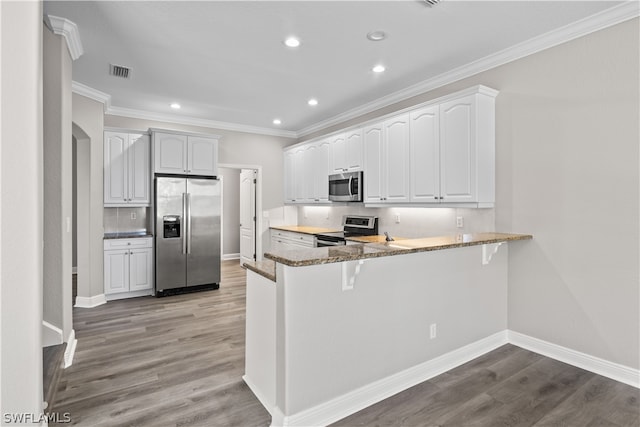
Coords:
pixel 326 255
pixel 265 268
pixel 127 235
pixel 371 239
pixel 304 229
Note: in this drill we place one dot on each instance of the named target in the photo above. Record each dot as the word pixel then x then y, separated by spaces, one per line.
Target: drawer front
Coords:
pixel 301 238
pixel 139 242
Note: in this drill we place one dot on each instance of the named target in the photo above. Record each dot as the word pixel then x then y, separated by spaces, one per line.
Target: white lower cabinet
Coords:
pixel 284 240
pixel 128 267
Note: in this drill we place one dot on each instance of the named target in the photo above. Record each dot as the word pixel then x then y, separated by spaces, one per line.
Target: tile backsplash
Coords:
pixel 404 222
pixel 126 220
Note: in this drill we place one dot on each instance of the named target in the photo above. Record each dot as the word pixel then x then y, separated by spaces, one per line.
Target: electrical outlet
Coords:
pixel 133 215
pixel 397 219
pixel 459 222
pixel 433 331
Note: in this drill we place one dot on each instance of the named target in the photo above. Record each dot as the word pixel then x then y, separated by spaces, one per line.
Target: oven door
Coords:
pixel 345 187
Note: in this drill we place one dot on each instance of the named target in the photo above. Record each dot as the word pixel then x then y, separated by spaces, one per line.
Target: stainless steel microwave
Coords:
pixel 346 187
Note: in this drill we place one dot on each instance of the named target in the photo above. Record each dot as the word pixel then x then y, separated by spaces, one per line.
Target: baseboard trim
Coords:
pixel 615 371
pixel 90 302
pixel 70 351
pixel 256 391
pixel 51 335
pixel 228 257
pixel 356 400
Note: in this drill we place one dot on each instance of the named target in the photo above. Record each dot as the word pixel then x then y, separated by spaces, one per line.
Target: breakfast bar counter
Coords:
pixel 326 255
pixel 332 330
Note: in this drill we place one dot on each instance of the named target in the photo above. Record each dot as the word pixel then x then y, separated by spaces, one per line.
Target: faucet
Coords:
pixel 387 237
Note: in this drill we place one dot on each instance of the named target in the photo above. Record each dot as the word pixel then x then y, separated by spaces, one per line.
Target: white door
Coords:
pixel 170 153
pixel 140 269
pixel 138 157
pixel 115 171
pixel 116 271
pixel 247 215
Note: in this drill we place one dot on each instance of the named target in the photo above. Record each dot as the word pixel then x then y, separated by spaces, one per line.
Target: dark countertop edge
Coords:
pixel 266 268
pixel 112 236
pixel 393 252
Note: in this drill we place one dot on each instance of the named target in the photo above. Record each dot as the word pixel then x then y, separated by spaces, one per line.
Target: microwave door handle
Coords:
pixel 350 186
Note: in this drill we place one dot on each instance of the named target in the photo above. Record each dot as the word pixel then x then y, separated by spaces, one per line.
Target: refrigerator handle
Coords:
pixel 185 223
pixel 188 223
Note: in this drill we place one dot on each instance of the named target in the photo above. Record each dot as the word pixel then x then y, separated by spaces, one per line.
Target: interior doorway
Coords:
pixel 241 218
pixel 248 181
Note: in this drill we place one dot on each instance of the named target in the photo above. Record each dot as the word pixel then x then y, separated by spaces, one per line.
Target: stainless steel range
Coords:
pixel 352 225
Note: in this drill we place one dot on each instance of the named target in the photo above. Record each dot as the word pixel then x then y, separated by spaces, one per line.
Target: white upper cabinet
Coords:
pixel 306 172
pixel 425 155
pixel 439 153
pixel 346 151
pixel 373 153
pixel 396 159
pixel 126 169
pixel 386 161
pixel 202 156
pixel 185 154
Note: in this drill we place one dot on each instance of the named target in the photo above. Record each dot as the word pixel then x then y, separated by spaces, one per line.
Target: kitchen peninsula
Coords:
pixel 333 330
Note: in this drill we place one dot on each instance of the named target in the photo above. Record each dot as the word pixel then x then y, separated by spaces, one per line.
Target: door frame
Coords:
pixel 259 219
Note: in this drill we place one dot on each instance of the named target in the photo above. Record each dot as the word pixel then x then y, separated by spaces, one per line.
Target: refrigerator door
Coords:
pixel 203 231
pixel 171 259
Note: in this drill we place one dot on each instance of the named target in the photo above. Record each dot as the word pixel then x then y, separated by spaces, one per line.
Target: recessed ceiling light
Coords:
pixel 312 102
pixel 175 106
pixel 378 69
pixel 277 121
pixel 376 36
pixel 292 42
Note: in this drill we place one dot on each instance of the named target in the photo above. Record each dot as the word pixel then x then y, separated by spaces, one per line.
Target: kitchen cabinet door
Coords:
pixel 338 152
pixel 396 159
pixel 116 271
pixel 138 156
pixel 425 155
pixel 458 150
pixel 321 172
pixel 140 269
pixel 170 153
pixel 202 156
pixel 353 150
pixel 373 164
pixel 126 169
pixel 289 176
pixel 115 168
pixel 299 182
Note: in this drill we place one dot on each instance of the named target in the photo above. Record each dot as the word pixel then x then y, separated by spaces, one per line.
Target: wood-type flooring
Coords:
pixel 179 361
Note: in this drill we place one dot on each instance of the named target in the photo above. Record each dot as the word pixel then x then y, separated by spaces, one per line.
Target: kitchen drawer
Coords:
pixel 138 242
pixel 301 238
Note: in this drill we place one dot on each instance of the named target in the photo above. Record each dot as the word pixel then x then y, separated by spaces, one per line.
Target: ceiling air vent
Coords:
pixel 432 2
pixel 119 71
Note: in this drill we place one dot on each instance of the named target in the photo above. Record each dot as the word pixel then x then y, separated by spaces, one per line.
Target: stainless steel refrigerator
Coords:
pixel 187 233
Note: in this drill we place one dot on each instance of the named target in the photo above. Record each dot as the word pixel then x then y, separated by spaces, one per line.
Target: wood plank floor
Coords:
pixel 178 361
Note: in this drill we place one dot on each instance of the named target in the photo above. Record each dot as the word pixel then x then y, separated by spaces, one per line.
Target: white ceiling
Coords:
pixel 224 61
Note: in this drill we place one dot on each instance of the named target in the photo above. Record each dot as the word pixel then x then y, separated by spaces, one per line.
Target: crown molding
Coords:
pixel 192 121
pixel 69 30
pixel 91 93
pixel 599 21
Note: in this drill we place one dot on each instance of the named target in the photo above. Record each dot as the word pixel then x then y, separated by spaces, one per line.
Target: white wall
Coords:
pixel 21 230
pixel 57 185
pixel 88 130
pixel 567 171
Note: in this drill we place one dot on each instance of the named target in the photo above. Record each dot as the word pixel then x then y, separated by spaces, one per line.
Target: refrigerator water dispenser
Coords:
pixel 171 226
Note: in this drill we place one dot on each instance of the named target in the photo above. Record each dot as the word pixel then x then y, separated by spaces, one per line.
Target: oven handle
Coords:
pixel 321 243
